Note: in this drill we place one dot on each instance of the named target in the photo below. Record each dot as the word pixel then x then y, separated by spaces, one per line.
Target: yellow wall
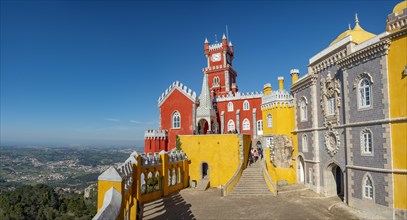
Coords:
pixel 283 120
pixel 397 60
pixel 283 124
pixel 103 187
pixel 221 152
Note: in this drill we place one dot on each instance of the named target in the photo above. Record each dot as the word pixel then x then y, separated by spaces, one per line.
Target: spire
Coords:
pixel 206 40
pixel 205 103
pixel 357 26
pixel 223 37
pixel 349 27
pixel 230 43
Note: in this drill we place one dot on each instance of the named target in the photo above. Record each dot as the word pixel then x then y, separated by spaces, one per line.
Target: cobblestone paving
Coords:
pixel 192 204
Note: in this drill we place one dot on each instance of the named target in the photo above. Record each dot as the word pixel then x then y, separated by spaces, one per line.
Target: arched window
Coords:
pixel 303 109
pixel 216 81
pixel 365 98
pixel 246 124
pixel 269 121
pixel 231 126
pixel 246 105
pixel 304 143
pixel 368 187
pixel 230 107
pixel 366 145
pixel 176 120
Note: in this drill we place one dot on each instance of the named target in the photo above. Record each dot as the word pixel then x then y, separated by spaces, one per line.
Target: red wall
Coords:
pixel 155 145
pixel 177 101
pixel 238 104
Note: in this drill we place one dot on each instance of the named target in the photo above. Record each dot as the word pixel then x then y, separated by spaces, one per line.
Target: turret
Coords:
pixel 231 48
pixel 280 83
pixel 224 43
pixel 206 47
pixel 294 75
pixel 267 89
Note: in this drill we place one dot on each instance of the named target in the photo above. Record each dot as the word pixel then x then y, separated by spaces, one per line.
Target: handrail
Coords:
pixel 232 182
pixel 268 179
pixel 111 205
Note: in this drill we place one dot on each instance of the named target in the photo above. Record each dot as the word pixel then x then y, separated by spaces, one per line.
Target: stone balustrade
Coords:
pixel 141 178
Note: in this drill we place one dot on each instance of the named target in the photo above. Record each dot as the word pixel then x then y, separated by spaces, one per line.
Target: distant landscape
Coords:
pixel 68 168
pixel 66 175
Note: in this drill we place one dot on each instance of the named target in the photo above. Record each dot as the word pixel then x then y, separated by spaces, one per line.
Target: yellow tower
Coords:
pixel 397 73
pixel 278 123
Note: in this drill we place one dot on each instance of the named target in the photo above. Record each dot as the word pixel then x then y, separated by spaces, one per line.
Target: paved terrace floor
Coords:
pixel 193 204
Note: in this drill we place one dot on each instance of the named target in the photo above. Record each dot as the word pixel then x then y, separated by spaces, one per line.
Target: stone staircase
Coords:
pixel 203 184
pixel 291 188
pixel 251 182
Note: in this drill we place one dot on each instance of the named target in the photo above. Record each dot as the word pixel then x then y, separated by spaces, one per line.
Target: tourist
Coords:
pixel 256 156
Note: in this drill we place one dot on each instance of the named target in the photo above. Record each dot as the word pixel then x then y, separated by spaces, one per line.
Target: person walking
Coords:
pixel 256 155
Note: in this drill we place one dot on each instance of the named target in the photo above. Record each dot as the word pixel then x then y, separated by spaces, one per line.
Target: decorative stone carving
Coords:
pixel 330 99
pixel 281 150
pixel 332 141
pixel 361 76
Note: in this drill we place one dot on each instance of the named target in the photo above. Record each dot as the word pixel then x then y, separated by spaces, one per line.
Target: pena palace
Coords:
pixel 339 129
pixel 220 108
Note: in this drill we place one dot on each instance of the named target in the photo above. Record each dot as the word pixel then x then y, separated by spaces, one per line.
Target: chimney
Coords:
pixel 267 89
pixel 280 83
pixel 294 75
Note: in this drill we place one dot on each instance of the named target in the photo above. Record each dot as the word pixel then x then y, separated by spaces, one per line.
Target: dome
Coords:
pixel 399 7
pixel 358 34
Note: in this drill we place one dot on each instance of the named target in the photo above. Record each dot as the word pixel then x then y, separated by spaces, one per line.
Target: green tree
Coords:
pixel 178 143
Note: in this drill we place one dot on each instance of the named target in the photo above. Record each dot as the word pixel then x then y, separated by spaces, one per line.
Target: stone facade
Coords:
pixel 348 130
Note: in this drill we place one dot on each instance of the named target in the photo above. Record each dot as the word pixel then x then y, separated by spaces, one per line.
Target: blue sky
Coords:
pixel 90 72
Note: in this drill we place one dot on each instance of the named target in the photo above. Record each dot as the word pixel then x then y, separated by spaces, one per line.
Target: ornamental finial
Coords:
pixel 356 18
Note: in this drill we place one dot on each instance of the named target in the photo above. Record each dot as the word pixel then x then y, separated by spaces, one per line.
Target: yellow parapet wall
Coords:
pixel 221 153
pixel 142 178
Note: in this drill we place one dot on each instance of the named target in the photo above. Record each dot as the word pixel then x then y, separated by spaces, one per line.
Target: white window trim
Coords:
pixel 359 101
pixel 246 125
pixel 362 142
pixel 304 143
pixel 246 103
pixel 367 175
pixel 230 106
pixel 173 121
pixel 259 131
pixel 233 123
pixel 269 120
pixel 303 113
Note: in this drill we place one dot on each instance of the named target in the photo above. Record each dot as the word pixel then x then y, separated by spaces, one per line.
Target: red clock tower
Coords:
pixel 221 75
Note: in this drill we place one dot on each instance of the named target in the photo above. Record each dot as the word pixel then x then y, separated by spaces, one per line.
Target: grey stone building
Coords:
pixel 341 122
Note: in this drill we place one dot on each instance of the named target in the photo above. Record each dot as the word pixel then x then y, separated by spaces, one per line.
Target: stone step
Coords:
pixel 291 188
pixel 203 185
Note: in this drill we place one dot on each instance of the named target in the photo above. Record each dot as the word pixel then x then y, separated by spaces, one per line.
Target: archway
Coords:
pixel 334 183
pixel 203 126
pixel 300 170
pixel 204 170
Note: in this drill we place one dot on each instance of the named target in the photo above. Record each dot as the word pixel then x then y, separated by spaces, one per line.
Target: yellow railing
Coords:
pixel 142 178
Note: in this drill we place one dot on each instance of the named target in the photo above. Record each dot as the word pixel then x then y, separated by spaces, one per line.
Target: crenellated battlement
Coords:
pixel 239 95
pixel 215 46
pixel 217 67
pixel 150 134
pixel 182 88
pixel 278 98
